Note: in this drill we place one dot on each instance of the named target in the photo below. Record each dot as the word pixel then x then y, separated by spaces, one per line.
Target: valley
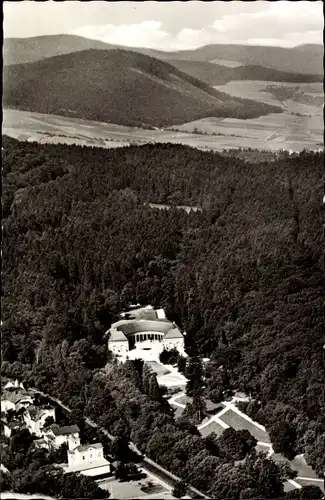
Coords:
pixel 271 132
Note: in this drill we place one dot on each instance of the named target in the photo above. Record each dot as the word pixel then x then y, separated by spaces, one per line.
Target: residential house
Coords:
pixel 35 418
pixel 89 461
pixel 56 436
pixel 15 400
pixel 88 453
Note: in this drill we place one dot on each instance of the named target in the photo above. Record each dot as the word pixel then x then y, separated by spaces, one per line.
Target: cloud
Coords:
pixel 283 23
pixel 144 34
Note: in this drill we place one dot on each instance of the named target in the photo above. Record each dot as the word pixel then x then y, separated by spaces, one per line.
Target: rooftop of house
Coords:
pixel 147 312
pixel 142 320
pixel 117 336
pixel 37 412
pixel 14 385
pixel 15 396
pixel 85 447
pixel 174 333
pixel 64 430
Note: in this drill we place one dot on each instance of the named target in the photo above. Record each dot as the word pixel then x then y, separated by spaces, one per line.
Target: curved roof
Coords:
pixel 125 328
pixel 129 327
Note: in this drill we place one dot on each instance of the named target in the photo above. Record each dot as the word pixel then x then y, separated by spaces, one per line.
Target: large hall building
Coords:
pixel 146 325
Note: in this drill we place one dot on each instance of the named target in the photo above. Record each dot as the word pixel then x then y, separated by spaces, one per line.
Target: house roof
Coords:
pixel 129 327
pixel 16 395
pixel 64 430
pixel 117 336
pixel 9 385
pixel 174 333
pixel 86 447
pixel 37 412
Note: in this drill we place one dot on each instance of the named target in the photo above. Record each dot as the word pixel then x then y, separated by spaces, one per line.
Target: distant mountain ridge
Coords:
pixel 216 74
pixel 119 86
pixel 303 59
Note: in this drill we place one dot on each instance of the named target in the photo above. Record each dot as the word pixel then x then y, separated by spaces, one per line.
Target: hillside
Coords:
pixel 25 50
pixel 119 86
pixel 305 59
pixel 216 74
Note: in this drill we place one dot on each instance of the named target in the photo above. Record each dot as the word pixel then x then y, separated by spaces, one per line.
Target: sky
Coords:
pixel 170 25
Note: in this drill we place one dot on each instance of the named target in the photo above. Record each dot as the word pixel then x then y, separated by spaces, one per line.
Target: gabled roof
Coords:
pixel 174 333
pixel 65 430
pixel 36 413
pixel 9 385
pixel 117 336
pixel 86 447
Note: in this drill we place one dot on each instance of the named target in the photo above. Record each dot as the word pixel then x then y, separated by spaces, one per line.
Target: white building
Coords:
pixel 85 454
pixel 89 461
pixel 35 419
pixel 173 339
pixel 142 325
pixel 56 436
pixel 15 399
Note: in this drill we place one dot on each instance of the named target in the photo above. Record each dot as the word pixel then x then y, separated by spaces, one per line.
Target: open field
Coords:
pixel 272 132
pixel 299 464
pixel 254 89
pixel 229 64
pixel 183 400
pixel 212 427
pixel 237 422
pixel 308 482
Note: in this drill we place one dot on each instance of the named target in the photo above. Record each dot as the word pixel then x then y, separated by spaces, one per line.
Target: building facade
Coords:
pixel 56 436
pixel 87 454
pixel 143 325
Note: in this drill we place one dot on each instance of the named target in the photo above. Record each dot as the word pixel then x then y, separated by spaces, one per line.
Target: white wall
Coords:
pixel 87 456
pixel 7 405
pixel 72 440
pixel 173 344
pixel 118 347
pixel 6 430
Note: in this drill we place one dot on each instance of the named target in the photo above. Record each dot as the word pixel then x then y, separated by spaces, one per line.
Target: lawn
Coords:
pixel 298 463
pixel 178 411
pixel 183 400
pixel 309 482
pixel 157 368
pixel 212 427
pixel 237 422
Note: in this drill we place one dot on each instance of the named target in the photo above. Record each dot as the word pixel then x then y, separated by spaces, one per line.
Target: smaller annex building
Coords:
pixel 143 325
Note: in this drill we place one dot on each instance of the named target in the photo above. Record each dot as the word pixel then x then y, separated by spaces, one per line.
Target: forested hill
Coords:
pixel 216 74
pixel 243 277
pixel 119 86
pixel 306 59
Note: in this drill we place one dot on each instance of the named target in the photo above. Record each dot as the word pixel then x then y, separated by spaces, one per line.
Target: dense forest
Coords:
pixel 243 277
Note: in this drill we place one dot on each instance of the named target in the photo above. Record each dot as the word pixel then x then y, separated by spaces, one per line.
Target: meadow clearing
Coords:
pixel 268 133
